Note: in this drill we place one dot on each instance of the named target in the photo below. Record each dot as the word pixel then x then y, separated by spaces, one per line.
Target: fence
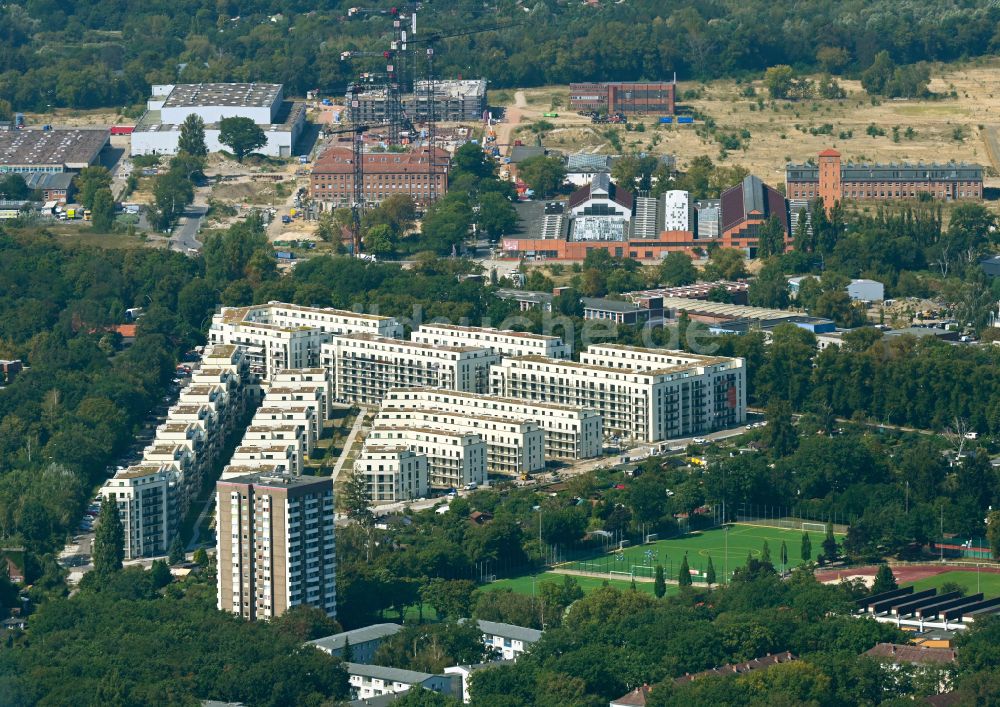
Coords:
pixel 791 517
pixel 972 548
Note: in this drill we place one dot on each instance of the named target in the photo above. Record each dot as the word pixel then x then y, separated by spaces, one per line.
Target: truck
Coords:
pixel 284 255
pixel 86 214
pixel 550 115
pixel 292 213
pixel 122 129
pixel 286 219
pixel 70 213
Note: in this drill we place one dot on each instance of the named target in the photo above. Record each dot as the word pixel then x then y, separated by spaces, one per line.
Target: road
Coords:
pixel 512 116
pixel 184 235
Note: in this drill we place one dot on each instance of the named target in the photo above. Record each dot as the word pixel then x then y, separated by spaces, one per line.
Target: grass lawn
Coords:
pixel 699 546
pixel 988 582
pixel 523 585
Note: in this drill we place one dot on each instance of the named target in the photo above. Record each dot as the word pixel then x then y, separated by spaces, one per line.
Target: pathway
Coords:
pixel 194 544
pixel 349 443
pixel 511 118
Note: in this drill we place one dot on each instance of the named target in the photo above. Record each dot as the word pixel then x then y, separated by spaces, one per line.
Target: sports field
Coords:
pixel 986 582
pixel 727 553
pixel 523 585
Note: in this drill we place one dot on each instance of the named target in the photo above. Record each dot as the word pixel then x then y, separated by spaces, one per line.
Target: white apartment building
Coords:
pixel 262 432
pixel 296 394
pixel 369 681
pixel 393 473
pixel 503 342
pixel 454 459
pixel 279 336
pixel 508 641
pixel 284 456
pixel 280 416
pixel 366 367
pixel 363 641
pixel 513 447
pixel 275 546
pixel 644 395
pixel 570 432
pixel 148 510
pixel 318 379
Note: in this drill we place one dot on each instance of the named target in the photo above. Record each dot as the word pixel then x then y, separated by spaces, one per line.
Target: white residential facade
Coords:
pixel 454 459
pixel 145 496
pixel 571 432
pixel 369 681
pixel 366 367
pixel 643 395
pixel 394 473
pixel 503 342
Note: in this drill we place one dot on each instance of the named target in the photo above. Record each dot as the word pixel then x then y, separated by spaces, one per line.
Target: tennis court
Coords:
pixel 728 549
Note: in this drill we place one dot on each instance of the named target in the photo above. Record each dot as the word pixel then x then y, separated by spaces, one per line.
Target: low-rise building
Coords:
pixel 649 399
pixel 465 673
pixel 419 173
pixel 454 459
pixel 643 311
pixel 376 680
pixel 745 210
pixel 513 447
pixel 366 367
pixel 571 432
pixel 393 472
pixel 26 151
pixel 503 342
pixel 363 642
pixel 508 641
pixel 630 97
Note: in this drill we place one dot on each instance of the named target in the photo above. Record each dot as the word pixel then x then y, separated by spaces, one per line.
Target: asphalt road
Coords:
pixel 183 237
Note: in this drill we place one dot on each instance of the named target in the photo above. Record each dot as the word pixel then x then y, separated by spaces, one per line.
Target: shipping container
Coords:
pixel 550 115
pixel 285 255
pixel 122 129
pixel 666 119
pixel 685 119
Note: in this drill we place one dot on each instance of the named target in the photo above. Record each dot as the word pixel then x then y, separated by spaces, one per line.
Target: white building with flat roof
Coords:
pixel 368 681
pixel 365 367
pixel 570 432
pixel 644 395
pixel 503 342
pixel 513 447
pixel 363 641
pixel 678 211
pixel 454 459
pixel 393 472
pixel 277 336
pixel 145 496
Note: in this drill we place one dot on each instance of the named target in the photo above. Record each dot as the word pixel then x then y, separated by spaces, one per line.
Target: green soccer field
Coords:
pixel 987 582
pixel 742 539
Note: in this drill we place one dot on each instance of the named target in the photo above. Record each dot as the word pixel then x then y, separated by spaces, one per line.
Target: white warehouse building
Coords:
pixel 158 131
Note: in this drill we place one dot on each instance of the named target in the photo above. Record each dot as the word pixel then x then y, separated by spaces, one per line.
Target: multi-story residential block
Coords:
pixel 296 394
pixel 363 641
pixel 648 395
pixel 277 336
pixel 300 415
pixel 454 459
pixel 503 342
pixel 385 173
pixel 275 546
pixel 832 181
pixel 285 456
pixel 145 496
pixel 263 432
pixel 394 472
pixel 513 447
pixel 570 432
pixel 366 367
pixel 318 379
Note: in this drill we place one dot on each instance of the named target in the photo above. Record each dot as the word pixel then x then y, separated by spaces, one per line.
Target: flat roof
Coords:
pixel 490 330
pixel 256 95
pixel 272 480
pixel 70 149
pixel 444 413
pixel 493 398
pixel 651 373
pixel 363 336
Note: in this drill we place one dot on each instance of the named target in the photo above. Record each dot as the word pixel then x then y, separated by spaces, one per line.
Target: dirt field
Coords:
pixel 780 132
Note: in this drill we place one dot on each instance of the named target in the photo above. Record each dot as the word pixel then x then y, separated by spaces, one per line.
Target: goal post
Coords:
pixel 814 527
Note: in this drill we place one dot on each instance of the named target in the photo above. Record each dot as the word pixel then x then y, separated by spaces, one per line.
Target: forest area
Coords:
pixel 90 54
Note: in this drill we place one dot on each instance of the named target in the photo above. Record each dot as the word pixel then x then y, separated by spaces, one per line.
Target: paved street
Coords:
pixel 184 235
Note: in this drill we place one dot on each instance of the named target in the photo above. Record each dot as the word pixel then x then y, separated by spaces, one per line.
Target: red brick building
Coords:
pixel 745 209
pixel 831 180
pixel 624 97
pixel 385 174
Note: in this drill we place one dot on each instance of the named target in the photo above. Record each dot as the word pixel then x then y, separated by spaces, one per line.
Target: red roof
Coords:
pixel 636 698
pixel 900 653
pixel 829 152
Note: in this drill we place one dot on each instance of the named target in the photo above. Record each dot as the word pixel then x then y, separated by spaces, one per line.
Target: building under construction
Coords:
pixel 454 101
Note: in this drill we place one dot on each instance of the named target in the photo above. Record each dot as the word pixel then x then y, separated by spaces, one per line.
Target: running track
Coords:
pixel 903 573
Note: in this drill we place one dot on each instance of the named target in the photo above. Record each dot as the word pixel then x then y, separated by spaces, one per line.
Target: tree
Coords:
pixel 159 573
pixel 200 557
pixel 684 574
pixel 770 287
pixel 993 533
pixel 241 135
pixel 725 264
pixel 677 269
pixel 830 547
pixel 784 555
pixel 780 81
pixel 659 583
pixel 89 181
pixel 379 240
pixel 192 139
pixel 103 210
pixel 306 623
pixel 172 192
pixel 782 438
pixel 765 552
pixel 13 186
pixel 109 540
pixel 496 215
pixel 450 597
pixel 875 79
pixel 544 175
pixel 356 501
pixel 347 654
pixel 771 238
pixel 806 552
pixel 176 553
pixel 885 580
pixel 710 572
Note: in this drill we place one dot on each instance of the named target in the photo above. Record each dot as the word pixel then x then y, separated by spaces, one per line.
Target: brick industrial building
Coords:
pixel 832 181
pixel 385 174
pixel 746 208
pixel 623 97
